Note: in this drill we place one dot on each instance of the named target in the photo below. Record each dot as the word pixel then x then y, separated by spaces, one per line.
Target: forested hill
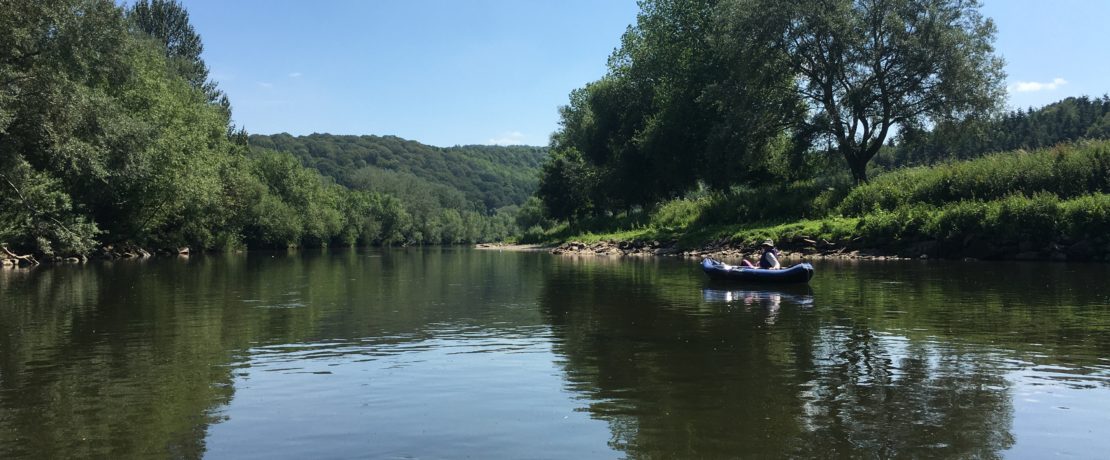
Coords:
pixel 489 177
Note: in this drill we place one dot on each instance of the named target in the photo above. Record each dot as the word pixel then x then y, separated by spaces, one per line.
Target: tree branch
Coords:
pixel 32 209
pixel 27 258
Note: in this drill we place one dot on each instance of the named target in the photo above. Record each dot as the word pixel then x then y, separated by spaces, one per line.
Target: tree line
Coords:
pixel 708 94
pixel 112 133
pixel 486 177
pixel 1067 120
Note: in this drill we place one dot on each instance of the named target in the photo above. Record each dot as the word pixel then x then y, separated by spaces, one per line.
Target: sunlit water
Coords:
pixel 452 353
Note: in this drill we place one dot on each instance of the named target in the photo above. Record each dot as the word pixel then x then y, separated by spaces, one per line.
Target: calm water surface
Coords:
pixel 451 353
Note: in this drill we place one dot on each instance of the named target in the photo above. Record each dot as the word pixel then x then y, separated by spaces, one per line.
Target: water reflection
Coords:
pixel 868 368
pixel 769 300
pixel 363 354
pixel 673 378
pixel 885 395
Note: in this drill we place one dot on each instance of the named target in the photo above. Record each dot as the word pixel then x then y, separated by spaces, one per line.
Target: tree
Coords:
pixel 866 67
pixel 689 99
pixel 565 186
pixel 167 22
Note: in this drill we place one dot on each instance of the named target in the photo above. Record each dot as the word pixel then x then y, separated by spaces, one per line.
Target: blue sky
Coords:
pixel 446 72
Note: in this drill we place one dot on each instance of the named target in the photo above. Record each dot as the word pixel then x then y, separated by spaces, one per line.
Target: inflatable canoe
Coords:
pixel 718 270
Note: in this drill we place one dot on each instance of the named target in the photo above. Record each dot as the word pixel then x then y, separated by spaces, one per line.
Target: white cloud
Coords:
pixel 265 84
pixel 295 75
pixel 508 138
pixel 1030 86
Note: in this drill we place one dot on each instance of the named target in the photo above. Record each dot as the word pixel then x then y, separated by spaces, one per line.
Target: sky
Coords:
pixel 457 72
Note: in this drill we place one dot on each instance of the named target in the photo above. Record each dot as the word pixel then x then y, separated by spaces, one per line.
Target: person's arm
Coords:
pixel 775 259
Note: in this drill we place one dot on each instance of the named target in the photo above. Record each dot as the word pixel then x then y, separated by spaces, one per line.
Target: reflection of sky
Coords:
pixel 438 398
pixel 1043 397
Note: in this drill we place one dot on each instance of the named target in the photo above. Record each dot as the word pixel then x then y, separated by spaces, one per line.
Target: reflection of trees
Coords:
pixel 81 378
pixel 673 380
pixel 1058 307
pixel 885 396
pixel 677 377
pixel 137 359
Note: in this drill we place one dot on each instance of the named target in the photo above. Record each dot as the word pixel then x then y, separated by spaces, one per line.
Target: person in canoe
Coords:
pixel 768 259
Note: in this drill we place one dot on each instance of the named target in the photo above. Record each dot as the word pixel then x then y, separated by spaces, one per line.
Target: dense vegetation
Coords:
pixel 1045 203
pixel 1067 120
pixel 717 94
pixel 111 133
pixel 487 177
pixel 744 119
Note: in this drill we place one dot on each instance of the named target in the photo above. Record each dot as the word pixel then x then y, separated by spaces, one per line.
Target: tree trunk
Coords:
pixel 858 165
pixel 28 259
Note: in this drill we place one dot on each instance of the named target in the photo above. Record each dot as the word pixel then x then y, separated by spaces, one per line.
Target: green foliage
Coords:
pixel 1066 171
pixel 680 106
pixel 1068 120
pixel 1086 217
pixel 678 213
pixel 1037 220
pixel 167 23
pixel 488 177
pixel 110 133
pixel 995 206
pixel 866 67
pixel 832 229
pixel 38 215
pixel 736 94
pixel 567 184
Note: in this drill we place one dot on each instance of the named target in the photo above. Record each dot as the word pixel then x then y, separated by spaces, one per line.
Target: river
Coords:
pixel 457 353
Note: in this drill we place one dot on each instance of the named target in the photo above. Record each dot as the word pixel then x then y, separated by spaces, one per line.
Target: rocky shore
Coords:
pixel 798 249
pixel 10 259
pixel 806 248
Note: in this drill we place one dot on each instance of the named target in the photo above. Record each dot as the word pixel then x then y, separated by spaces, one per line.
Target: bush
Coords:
pixel 958 220
pixel 678 213
pixel 1065 171
pixel 903 222
pixel 1018 218
pixel 1086 217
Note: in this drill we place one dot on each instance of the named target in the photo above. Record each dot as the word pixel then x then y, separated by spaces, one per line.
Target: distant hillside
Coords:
pixel 1067 120
pixel 485 177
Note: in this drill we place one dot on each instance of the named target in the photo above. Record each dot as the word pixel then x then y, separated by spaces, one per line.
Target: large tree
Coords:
pixel 866 67
pixel 684 103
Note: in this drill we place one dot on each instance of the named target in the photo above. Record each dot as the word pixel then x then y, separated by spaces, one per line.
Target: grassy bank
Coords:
pixel 1045 204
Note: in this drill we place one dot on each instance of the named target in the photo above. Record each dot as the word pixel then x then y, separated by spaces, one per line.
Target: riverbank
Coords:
pixel 837 238
pixel 1048 205
pixel 797 250
pixel 11 259
pixel 514 247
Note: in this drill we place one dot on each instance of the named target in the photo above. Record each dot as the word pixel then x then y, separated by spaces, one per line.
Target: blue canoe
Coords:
pixel 718 270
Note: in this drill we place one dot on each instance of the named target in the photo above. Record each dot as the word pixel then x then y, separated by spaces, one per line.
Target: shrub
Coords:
pixel 1019 218
pixel 1066 171
pixel 904 222
pixel 957 220
pixel 1086 217
pixel 677 213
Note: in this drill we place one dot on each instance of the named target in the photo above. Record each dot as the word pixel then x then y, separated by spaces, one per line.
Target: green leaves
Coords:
pixel 690 99
pixel 867 66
